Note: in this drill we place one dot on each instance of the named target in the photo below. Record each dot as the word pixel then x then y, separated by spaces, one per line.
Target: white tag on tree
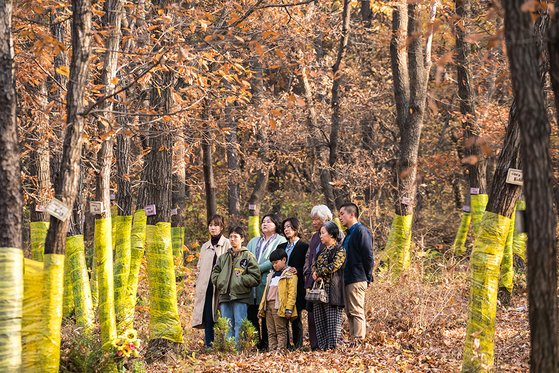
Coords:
pixel 113 196
pixel 39 208
pixel 252 206
pixel 406 201
pixel 474 191
pixel 58 209
pixel 466 208
pixel 174 212
pixel 96 207
pixel 514 176
pixel 150 210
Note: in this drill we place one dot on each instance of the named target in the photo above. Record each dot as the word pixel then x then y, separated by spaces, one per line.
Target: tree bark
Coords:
pixel 329 175
pixel 475 166
pixel 67 180
pixel 262 173
pixel 10 181
pixel 56 89
pixel 111 22
pixel 11 204
pixel 234 176
pixel 209 181
pixel 40 165
pixel 535 133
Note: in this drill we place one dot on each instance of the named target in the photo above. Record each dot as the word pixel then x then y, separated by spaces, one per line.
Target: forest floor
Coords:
pixel 415 324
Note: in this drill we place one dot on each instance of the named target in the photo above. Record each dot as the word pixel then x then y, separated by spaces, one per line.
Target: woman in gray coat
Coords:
pixel 205 301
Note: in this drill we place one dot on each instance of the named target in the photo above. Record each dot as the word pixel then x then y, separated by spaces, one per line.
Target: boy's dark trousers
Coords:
pixel 297 330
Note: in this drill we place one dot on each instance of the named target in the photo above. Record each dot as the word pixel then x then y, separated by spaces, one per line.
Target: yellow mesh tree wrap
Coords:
pixel 520 238
pixel 75 259
pixel 105 281
pixel 94 283
pixel 478 202
pixel 398 244
pixel 11 299
pixel 137 242
pixel 31 323
pixel 178 242
pixel 37 234
pixel 114 213
pixel 459 245
pixel 53 293
pixel 507 269
pixel 123 231
pixel 339 223
pixel 68 302
pixel 253 227
pixel 164 314
pixel 485 266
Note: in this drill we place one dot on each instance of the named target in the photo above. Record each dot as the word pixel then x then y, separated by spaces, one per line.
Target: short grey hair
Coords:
pixel 322 212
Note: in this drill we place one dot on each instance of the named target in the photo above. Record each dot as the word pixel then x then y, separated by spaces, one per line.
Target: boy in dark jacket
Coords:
pixel 234 275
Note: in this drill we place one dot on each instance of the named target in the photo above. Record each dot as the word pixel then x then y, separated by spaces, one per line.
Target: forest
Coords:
pixel 125 125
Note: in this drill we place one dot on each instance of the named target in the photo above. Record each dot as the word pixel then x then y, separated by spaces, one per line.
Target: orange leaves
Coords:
pixel 63 70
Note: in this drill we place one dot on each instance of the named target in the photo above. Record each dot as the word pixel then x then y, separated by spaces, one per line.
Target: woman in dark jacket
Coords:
pixel 329 268
pixel 296 250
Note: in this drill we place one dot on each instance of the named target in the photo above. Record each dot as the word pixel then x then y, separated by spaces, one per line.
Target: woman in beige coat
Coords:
pixel 205 301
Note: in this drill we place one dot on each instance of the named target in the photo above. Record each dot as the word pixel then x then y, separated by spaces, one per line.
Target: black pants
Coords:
pixel 208 317
pixel 252 316
pixel 297 330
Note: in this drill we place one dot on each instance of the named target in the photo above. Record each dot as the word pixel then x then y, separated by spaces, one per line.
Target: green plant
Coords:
pixel 248 336
pixel 222 342
pixel 84 354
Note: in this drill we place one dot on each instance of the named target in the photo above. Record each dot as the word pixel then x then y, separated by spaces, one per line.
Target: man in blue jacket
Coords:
pixel 358 272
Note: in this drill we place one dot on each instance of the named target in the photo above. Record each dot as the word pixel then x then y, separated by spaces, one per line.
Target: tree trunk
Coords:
pixel 11 204
pixel 337 73
pixel 262 173
pixel 488 248
pixel 209 181
pixel 66 182
pixel 473 162
pixel 409 115
pixel 111 23
pixel 535 132
pixel 57 86
pixel 157 179
pixel 234 176
pixel 40 165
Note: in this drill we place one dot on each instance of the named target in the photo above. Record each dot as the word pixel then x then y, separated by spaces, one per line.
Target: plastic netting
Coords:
pixel 38 233
pixel 81 289
pixel 122 234
pixel 31 323
pixel 53 293
pixel 105 281
pixel 459 245
pixel 137 242
pixel 398 243
pixel 520 237
pixel 164 313
pixel 11 299
pixel 478 202
pixel 253 227
pixel 507 268
pixel 485 266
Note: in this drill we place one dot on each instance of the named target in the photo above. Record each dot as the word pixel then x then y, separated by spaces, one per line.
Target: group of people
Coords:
pixel 266 281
